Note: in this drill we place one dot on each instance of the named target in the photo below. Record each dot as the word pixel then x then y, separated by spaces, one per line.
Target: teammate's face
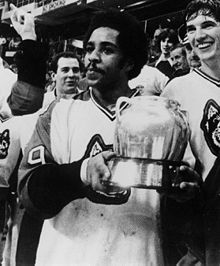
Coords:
pixel 103 58
pixel 178 59
pixel 204 36
pixel 67 76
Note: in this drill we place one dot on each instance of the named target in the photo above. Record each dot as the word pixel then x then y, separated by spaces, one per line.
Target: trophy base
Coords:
pixel 144 173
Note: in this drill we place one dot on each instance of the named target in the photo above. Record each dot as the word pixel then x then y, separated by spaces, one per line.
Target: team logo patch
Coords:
pixel 4 143
pixel 210 125
pixel 95 146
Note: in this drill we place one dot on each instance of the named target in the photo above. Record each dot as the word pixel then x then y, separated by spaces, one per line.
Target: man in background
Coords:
pixel 67 71
pixel 179 60
pixel 192 57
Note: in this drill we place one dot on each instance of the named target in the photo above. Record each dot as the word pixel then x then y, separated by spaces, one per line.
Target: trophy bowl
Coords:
pixel 151 136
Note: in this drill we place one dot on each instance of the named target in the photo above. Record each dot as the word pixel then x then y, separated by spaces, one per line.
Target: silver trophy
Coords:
pixel 151 135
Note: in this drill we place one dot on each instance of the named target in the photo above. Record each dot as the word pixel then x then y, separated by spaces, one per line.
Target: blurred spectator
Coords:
pixel 154 51
pixel 50 84
pixel 192 57
pixel 179 60
pixel 166 40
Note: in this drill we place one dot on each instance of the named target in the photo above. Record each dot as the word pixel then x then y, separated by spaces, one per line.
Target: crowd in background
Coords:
pixel 72 100
pixel 168 50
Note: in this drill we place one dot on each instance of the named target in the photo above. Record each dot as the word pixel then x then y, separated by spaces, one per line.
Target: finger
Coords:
pixel 189 170
pixel 13 7
pixel 184 168
pixel 189 185
pixel 189 174
pixel 108 155
pixel 97 168
pixel 29 20
pixel 14 14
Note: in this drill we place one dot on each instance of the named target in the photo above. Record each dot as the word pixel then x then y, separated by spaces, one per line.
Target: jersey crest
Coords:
pixel 210 125
pixel 95 146
pixel 4 143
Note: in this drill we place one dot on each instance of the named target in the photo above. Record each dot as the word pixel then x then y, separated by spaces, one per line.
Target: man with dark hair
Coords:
pixel 199 94
pixel 67 71
pixel 88 226
pixel 166 40
pixel 132 42
pixel 55 60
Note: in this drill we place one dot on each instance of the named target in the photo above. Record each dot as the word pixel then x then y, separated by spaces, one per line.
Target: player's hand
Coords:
pixel 98 175
pixel 187 186
pixel 23 23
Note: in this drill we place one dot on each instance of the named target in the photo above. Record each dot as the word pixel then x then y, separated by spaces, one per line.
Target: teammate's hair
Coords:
pixel 203 7
pixel 131 39
pixel 56 57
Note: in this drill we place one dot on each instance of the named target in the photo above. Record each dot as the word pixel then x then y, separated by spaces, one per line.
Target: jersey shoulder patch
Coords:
pixel 210 125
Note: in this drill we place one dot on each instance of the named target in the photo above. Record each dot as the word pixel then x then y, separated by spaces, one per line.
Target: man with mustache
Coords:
pixel 82 223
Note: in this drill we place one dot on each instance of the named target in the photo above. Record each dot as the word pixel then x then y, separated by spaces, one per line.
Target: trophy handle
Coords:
pixel 119 102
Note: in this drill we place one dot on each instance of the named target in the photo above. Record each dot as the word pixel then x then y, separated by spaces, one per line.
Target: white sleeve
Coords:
pixel 150 81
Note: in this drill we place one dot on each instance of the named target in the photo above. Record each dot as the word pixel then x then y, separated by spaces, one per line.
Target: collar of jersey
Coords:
pixel 105 110
pixel 205 76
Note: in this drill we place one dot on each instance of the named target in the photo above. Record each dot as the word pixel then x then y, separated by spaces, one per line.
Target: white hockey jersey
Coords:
pixel 83 232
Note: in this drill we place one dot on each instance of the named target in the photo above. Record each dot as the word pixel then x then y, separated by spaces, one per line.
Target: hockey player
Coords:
pixel 88 226
pixel 199 94
pixel 64 163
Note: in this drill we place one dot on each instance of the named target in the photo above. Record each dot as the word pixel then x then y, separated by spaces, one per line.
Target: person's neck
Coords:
pixel 65 96
pixel 109 97
pixel 60 94
pixel 212 69
pixel 165 55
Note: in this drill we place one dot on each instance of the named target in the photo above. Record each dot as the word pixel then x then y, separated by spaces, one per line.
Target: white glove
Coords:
pixel 23 23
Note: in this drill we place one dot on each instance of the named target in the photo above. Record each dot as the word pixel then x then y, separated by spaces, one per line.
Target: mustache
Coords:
pixel 93 67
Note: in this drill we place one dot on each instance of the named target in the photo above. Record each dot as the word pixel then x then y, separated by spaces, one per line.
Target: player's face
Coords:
pixel 103 58
pixel 67 76
pixel 178 59
pixel 204 36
